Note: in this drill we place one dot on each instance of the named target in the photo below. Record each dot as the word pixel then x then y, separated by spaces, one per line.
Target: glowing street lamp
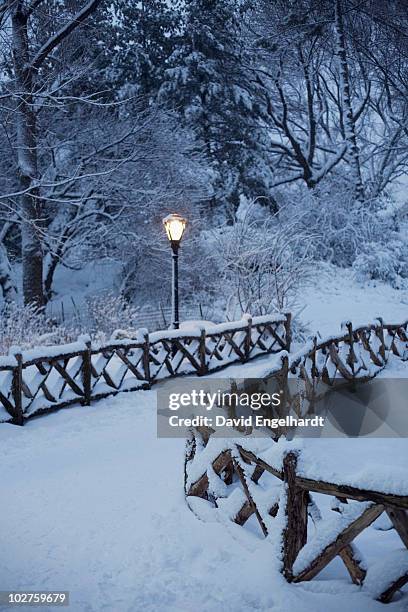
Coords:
pixel 175 225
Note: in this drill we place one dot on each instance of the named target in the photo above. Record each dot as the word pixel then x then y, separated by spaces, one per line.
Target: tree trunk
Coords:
pixel 6 279
pixel 347 108
pixel 31 207
pixel 50 268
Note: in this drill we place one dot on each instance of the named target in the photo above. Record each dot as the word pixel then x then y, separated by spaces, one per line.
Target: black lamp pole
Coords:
pixel 175 289
pixel 175 225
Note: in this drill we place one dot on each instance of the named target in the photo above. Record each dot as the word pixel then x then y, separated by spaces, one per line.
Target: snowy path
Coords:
pixel 335 296
pixel 92 502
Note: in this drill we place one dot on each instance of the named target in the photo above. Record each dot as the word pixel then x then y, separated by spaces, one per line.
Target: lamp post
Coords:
pixel 175 225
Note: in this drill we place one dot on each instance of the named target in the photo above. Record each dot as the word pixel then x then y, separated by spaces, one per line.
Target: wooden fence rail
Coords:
pixel 283 508
pixel 228 474
pixel 42 380
pixel 359 352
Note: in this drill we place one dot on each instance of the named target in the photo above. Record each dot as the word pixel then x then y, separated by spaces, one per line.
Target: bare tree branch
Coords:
pixel 63 33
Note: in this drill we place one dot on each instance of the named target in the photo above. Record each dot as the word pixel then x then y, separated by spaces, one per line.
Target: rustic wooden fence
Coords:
pixel 42 380
pixel 282 506
pixel 358 353
pixel 231 477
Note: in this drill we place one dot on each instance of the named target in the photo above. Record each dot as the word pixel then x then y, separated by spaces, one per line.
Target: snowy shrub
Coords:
pixel 25 327
pixel 386 263
pixel 340 227
pixel 264 263
pixel 109 312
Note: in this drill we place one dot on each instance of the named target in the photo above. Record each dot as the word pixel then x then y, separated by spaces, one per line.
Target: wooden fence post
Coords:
pixel 146 358
pixel 314 369
pixel 202 354
pixel 18 390
pixel 248 339
pixel 288 330
pixel 351 359
pixel 380 334
pixel 295 532
pixel 286 400
pixel 87 373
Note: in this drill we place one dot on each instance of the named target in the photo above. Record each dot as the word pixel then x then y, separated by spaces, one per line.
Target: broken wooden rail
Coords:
pixel 45 379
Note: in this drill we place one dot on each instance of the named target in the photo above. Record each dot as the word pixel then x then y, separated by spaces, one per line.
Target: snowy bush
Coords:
pixel 340 227
pixel 109 312
pixel 264 263
pixel 386 263
pixel 26 327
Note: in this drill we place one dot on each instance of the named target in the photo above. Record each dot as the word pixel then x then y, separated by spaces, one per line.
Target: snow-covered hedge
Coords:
pixel 387 263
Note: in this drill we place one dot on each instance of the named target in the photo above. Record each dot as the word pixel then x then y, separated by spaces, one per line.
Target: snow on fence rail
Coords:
pixel 48 378
pixel 357 353
pixel 239 483
pixel 232 478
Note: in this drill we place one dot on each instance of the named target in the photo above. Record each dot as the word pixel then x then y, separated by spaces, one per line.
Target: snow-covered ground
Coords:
pixel 92 502
pixel 73 288
pixel 335 296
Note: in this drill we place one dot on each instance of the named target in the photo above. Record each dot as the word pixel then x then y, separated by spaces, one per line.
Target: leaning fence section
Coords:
pixel 42 380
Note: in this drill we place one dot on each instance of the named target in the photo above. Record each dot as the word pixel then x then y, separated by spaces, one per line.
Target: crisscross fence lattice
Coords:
pixel 357 354
pixel 42 380
pixel 240 484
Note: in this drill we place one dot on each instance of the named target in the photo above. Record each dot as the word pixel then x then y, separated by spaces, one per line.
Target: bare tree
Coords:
pixel 294 67
pixel 29 80
pixel 334 76
pixel 347 108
